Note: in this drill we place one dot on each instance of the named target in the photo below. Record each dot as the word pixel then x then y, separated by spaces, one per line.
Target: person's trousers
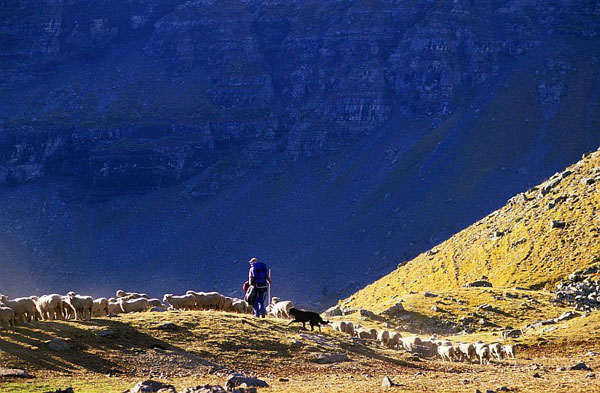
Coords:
pixel 259 302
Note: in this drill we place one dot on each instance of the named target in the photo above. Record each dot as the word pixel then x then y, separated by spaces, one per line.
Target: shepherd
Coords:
pixel 258 278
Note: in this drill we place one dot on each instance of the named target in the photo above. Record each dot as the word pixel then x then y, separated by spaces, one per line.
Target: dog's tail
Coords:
pixel 323 322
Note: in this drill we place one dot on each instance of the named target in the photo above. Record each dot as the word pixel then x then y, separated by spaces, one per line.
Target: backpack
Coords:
pixel 260 274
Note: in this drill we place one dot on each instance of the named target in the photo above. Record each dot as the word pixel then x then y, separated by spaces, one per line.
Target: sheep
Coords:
pixel 373 332
pixel 207 300
pixel 468 351
pixel 409 343
pixel 67 308
pixel 282 309
pixel 496 350
pixel 114 308
pixel 340 326
pixel 100 307
pixel 483 352
pixel 136 305
pixel 509 351
pixel 155 303
pixel 350 328
pixel 7 317
pixel 395 338
pixel 458 356
pixel 50 307
pixel 364 334
pixel 185 302
pixel 239 306
pixel 131 295
pixel 431 345
pixel 23 307
pixel 81 304
pixel 383 337
pixel 226 304
pixel 446 352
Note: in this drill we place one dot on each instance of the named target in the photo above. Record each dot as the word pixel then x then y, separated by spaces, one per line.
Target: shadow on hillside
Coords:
pixel 88 350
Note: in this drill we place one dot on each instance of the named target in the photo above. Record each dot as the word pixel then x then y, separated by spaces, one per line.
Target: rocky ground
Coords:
pixel 195 349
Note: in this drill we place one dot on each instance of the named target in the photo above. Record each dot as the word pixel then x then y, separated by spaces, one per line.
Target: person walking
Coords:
pixel 258 277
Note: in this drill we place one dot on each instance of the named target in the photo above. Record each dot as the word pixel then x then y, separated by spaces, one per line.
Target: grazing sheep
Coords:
pixel 131 295
pixel 509 351
pixel 136 305
pixel 239 306
pixel 383 337
pixel 496 350
pixel 458 356
pixel 340 326
pixel 114 308
pixel 373 332
pixel 100 307
pixel 364 334
pixel 81 304
pixel 409 343
pixel 155 303
pixel 68 310
pixel 7 317
pixel 483 352
pixel 185 302
pixel 446 352
pixel 23 307
pixel 468 351
pixel 431 345
pixel 207 300
pixel 50 307
pixel 395 340
pixel 227 304
pixel 282 309
pixel 350 328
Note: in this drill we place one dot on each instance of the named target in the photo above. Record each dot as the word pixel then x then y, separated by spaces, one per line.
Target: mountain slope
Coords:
pixel 522 244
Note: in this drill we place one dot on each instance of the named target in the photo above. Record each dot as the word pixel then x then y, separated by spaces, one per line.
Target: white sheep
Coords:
pixel 135 305
pixel 81 304
pixel 185 302
pixel 100 307
pixel 282 309
pixel 155 302
pixel 339 326
pixel 467 350
pixel 67 308
pixel 227 304
pixel 446 352
pixel 483 352
pixel 131 295
pixel 364 334
pixel 50 306
pixel 114 307
pixel 207 300
pixel 239 306
pixel 350 328
pixel 395 338
pixel 509 351
pixel 23 307
pixel 409 343
pixel 496 350
pixel 383 337
pixel 7 317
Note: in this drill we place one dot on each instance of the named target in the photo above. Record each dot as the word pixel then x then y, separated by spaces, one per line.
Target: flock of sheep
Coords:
pixel 73 306
pixel 444 349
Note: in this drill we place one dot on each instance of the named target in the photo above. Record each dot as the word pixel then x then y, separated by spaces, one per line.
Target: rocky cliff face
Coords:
pixel 208 98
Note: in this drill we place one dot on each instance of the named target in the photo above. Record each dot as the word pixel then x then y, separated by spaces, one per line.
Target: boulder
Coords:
pixel 14 373
pixel 512 333
pixel 429 294
pixel 557 224
pixel 479 284
pixel 150 386
pixel 581 366
pixel 67 390
pixel 334 311
pixel 566 316
pixel 387 382
pixel 329 358
pixel 236 379
pixel 394 311
pixel 205 389
pixel 58 345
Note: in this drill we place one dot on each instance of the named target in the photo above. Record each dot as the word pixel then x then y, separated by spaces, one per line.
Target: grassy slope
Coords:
pixel 528 253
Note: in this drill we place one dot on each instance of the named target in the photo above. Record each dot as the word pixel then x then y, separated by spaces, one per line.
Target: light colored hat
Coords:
pixel 253 260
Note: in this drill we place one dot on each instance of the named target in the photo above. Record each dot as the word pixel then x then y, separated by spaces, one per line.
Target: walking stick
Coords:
pixel 269 289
